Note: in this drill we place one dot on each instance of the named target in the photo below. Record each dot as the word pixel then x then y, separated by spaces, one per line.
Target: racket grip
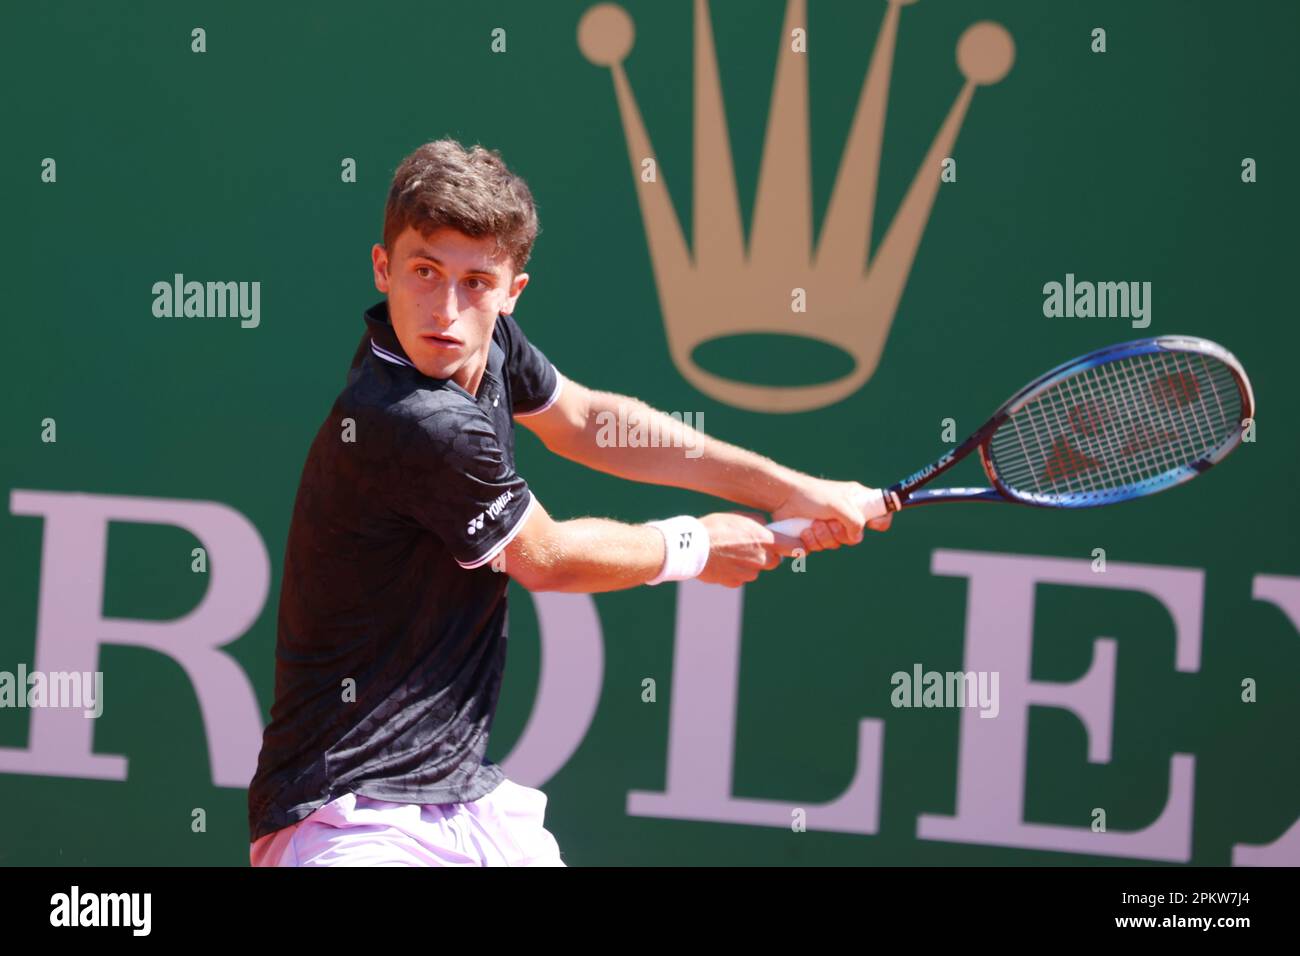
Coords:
pixel 872 504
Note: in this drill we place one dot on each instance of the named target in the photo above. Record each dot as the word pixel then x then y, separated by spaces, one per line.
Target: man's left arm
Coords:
pixel 593 428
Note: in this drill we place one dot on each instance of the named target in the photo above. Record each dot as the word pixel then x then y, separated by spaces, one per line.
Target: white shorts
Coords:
pixel 503 828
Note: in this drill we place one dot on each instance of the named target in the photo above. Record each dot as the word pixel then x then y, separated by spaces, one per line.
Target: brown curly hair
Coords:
pixel 470 190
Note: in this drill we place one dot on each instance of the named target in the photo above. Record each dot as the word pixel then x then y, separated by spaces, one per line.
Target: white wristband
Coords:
pixel 686 542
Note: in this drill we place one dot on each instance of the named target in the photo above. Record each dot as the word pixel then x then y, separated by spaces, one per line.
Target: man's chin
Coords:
pixel 436 369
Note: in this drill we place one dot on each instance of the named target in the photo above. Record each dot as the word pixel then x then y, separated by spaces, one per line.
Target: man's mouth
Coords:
pixel 442 341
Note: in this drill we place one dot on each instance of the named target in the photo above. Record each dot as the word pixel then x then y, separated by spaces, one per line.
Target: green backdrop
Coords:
pixel 225 165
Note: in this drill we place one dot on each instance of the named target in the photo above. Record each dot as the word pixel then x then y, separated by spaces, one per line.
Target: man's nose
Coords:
pixel 445 308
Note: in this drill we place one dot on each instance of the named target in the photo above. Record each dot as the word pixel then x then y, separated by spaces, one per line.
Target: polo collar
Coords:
pixel 386 347
pixel 383 340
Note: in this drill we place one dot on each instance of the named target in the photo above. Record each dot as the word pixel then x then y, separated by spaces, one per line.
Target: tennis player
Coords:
pixel 411 519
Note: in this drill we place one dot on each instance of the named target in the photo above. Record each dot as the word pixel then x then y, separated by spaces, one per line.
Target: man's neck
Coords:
pixel 470 375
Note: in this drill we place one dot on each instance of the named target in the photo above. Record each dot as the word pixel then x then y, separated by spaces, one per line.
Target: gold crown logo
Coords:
pixel 717 288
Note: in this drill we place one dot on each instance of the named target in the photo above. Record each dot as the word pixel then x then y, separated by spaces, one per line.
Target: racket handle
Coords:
pixel 872 504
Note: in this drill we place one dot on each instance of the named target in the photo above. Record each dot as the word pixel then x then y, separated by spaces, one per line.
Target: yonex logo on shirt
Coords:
pixel 494 509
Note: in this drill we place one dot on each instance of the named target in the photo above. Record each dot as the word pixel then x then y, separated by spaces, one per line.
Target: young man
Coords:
pixel 392 625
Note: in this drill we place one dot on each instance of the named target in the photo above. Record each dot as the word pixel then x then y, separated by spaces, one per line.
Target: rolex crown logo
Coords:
pixel 717 287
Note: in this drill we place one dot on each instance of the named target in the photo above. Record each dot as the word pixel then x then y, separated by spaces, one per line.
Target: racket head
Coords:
pixel 1123 422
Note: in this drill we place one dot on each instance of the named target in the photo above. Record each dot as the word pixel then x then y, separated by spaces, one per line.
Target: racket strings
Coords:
pixel 1118 425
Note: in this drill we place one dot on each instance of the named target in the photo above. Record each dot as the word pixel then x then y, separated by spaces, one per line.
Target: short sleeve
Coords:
pixel 458 483
pixel 534 382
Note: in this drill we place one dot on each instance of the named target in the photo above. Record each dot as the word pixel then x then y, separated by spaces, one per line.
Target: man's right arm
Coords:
pixel 591 555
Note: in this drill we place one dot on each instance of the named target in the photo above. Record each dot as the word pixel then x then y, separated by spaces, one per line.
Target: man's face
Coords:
pixel 444 294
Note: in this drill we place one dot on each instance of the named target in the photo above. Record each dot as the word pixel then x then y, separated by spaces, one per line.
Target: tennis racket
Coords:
pixel 1120 423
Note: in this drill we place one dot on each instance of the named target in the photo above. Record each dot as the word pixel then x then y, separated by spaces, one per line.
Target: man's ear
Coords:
pixel 516 287
pixel 379 260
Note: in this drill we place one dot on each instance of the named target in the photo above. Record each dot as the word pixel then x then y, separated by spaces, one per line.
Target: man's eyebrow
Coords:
pixel 422 253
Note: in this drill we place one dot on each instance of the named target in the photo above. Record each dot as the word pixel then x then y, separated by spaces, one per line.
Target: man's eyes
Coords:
pixel 476 283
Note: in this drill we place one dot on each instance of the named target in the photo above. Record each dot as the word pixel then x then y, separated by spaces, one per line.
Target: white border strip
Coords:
pixel 497 548
pixel 555 395
pixel 388 356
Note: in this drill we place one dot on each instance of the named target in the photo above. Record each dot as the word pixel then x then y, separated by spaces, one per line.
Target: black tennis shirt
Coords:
pixel 408 493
